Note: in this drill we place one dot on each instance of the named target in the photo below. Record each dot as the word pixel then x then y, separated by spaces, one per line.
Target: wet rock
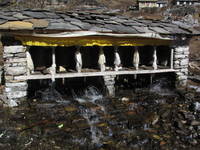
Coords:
pixel 125 99
pixel 47 105
pixel 157 137
pixel 116 130
pixel 194 142
pixel 191 128
pixel 81 123
pixel 179 124
pixel 165 114
pixel 70 108
pixel 156 119
pixel 189 116
pixel 8 136
pixel 195 123
pixel 196 106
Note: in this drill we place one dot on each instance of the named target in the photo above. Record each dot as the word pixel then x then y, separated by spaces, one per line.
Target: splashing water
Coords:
pixel 92 119
pixel 51 94
pixel 92 95
pixel 161 87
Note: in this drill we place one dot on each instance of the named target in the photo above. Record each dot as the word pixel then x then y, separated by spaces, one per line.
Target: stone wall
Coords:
pixel 181 61
pixel 15 64
pixel 109 82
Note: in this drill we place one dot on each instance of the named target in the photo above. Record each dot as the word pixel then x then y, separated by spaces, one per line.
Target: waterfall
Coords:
pixel 92 95
pixel 50 94
pixel 92 119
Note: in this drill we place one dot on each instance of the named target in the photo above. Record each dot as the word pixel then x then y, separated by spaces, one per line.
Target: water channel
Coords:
pixel 156 117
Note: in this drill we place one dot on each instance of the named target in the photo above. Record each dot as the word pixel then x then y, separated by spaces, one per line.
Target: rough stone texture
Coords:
pixel 14 49
pixel 34 20
pixel 16 94
pixel 109 82
pixel 16 25
pixel 181 61
pixel 39 23
pixel 15 70
pixel 1 72
pixel 15 65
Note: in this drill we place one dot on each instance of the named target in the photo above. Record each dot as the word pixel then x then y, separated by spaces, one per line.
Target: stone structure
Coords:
pixel 147 3
pixel 45 34
pixel 15 65
pixel 110 84
pixel 181 62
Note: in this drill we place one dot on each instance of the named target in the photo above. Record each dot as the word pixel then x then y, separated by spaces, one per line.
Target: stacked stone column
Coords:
pixel 109 82
pixel 181 61
pixel 15 65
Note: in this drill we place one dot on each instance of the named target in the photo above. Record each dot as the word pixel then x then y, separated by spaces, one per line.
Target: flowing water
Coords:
pixel 92 95
pixel 157 118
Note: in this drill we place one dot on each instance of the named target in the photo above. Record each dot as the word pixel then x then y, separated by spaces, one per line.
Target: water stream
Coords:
pixel 92 95
pixel 158 118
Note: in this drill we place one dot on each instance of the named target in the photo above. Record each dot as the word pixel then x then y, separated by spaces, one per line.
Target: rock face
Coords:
pixel 15 65
pixel 181 61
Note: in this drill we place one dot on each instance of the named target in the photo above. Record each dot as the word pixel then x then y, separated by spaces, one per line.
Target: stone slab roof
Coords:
pixel 42 20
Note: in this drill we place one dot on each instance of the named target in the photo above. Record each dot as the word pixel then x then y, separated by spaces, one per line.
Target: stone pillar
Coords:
pixel 109 82
pixel 15 65
pixel 181 61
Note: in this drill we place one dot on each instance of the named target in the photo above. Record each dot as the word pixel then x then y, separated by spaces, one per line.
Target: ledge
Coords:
pixel 92 74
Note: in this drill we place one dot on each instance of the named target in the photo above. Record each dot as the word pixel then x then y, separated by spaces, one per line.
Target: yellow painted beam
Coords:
pixel 91 41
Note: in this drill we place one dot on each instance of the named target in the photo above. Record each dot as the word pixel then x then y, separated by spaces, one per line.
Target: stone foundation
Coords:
pixel 181 61
pixel 15 65
pixel 109 82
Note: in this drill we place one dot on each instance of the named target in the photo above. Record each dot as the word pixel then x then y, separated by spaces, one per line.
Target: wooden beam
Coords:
pixel 136 58
pixel 27 61
pixel 92 74
pixel 78 60
pixel 117 59
pixel 102 60
pixel 155 67
pixel 53 67
pixel 91 41
pixel 172 58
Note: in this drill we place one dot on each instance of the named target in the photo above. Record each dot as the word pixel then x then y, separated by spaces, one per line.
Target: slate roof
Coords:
pixel 42 20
